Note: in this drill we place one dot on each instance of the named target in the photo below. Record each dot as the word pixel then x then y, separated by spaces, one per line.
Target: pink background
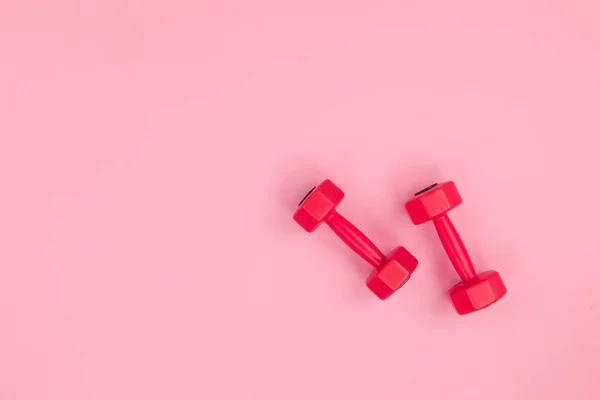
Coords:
pixel 152 153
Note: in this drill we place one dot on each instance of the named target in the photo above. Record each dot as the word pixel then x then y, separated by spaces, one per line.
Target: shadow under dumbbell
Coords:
pixel 442 270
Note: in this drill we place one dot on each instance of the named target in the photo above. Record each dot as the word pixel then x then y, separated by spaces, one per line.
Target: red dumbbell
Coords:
pixel 391 272
pixel 476 291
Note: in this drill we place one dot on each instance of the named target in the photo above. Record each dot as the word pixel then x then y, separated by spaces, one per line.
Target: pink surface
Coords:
pixel 152 153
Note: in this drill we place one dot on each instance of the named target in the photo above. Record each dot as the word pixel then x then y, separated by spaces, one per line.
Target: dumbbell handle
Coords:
pixel 355 239
pixel 455 248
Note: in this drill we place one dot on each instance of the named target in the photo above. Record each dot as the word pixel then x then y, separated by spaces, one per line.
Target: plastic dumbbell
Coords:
pixel 390 273
pixel 476 291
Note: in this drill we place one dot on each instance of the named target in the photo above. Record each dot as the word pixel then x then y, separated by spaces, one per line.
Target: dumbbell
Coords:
pixel 476 291
pixel 390 273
